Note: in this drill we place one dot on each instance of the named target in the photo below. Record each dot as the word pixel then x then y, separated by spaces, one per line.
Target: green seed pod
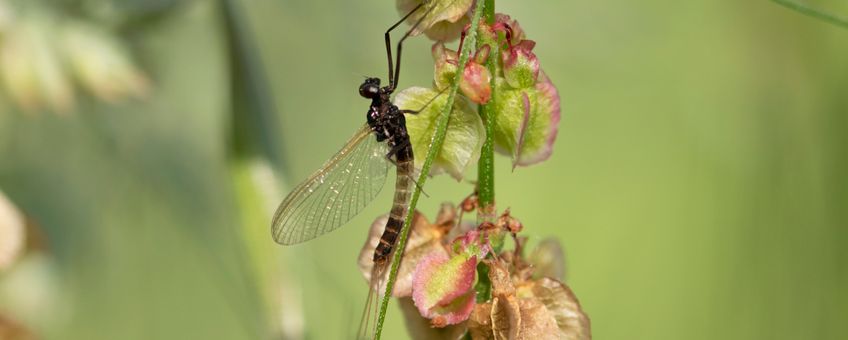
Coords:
pixel 465 134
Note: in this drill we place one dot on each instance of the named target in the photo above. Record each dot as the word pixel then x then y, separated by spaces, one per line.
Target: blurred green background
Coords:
pixel 698 183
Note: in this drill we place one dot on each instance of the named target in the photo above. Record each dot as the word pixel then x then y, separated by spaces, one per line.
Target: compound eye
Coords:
pixel 369 91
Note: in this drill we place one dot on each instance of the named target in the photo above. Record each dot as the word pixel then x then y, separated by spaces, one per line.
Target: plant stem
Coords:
pixel 435 147
pixel 486 164
pixel 484 284
pixel 814 12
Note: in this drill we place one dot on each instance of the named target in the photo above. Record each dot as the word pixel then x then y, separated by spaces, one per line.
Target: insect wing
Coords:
pixel 335 193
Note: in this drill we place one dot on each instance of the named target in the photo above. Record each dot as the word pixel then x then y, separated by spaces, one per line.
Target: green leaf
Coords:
pixel 527 121
pixel 464 136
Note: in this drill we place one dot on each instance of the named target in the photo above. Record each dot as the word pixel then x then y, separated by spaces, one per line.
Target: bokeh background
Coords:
pixel 698 184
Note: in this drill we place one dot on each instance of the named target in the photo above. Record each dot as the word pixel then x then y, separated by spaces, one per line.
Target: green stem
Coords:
pixel 814 12
pixel 435 147
pixel 486 165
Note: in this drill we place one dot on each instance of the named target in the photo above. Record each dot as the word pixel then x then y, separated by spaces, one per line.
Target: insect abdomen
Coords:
pixel 398 213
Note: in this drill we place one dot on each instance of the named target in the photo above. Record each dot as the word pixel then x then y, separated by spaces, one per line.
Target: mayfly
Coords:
pixel 354 176
pixel 351 179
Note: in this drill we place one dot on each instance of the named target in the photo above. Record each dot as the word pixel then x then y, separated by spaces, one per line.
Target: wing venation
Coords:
pixel 335 193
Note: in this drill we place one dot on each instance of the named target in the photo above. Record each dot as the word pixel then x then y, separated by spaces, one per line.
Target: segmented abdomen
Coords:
pixel 403 191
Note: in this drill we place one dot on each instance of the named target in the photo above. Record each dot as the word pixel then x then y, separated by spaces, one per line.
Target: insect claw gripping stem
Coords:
pixel 391 160
pixel 420 188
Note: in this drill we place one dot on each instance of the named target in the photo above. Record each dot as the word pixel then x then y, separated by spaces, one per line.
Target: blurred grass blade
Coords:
pixel 814 12
pixel 254 123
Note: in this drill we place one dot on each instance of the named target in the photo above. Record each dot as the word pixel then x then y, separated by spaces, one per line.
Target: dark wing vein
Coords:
pixel 335 193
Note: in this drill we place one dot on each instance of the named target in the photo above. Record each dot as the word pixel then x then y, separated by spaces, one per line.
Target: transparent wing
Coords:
pixel 335 193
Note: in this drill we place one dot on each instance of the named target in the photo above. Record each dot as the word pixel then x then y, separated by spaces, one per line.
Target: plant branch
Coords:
pixel 435 147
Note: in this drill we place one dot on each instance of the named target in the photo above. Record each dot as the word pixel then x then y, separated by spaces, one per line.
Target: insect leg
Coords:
pixel 393 151
pixel 389 156
pixel 389 43
pixel 393 81
pixel 415 112
pixel 412 178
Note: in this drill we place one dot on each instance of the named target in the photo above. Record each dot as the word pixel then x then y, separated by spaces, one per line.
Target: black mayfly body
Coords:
pixel 351 179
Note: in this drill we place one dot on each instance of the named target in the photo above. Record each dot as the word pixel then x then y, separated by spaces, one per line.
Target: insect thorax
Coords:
pixel 386 120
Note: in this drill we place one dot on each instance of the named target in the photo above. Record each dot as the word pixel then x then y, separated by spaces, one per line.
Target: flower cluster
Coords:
pixel 42 54
pixel 503 73
pixel 528 108
pixel 443 295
